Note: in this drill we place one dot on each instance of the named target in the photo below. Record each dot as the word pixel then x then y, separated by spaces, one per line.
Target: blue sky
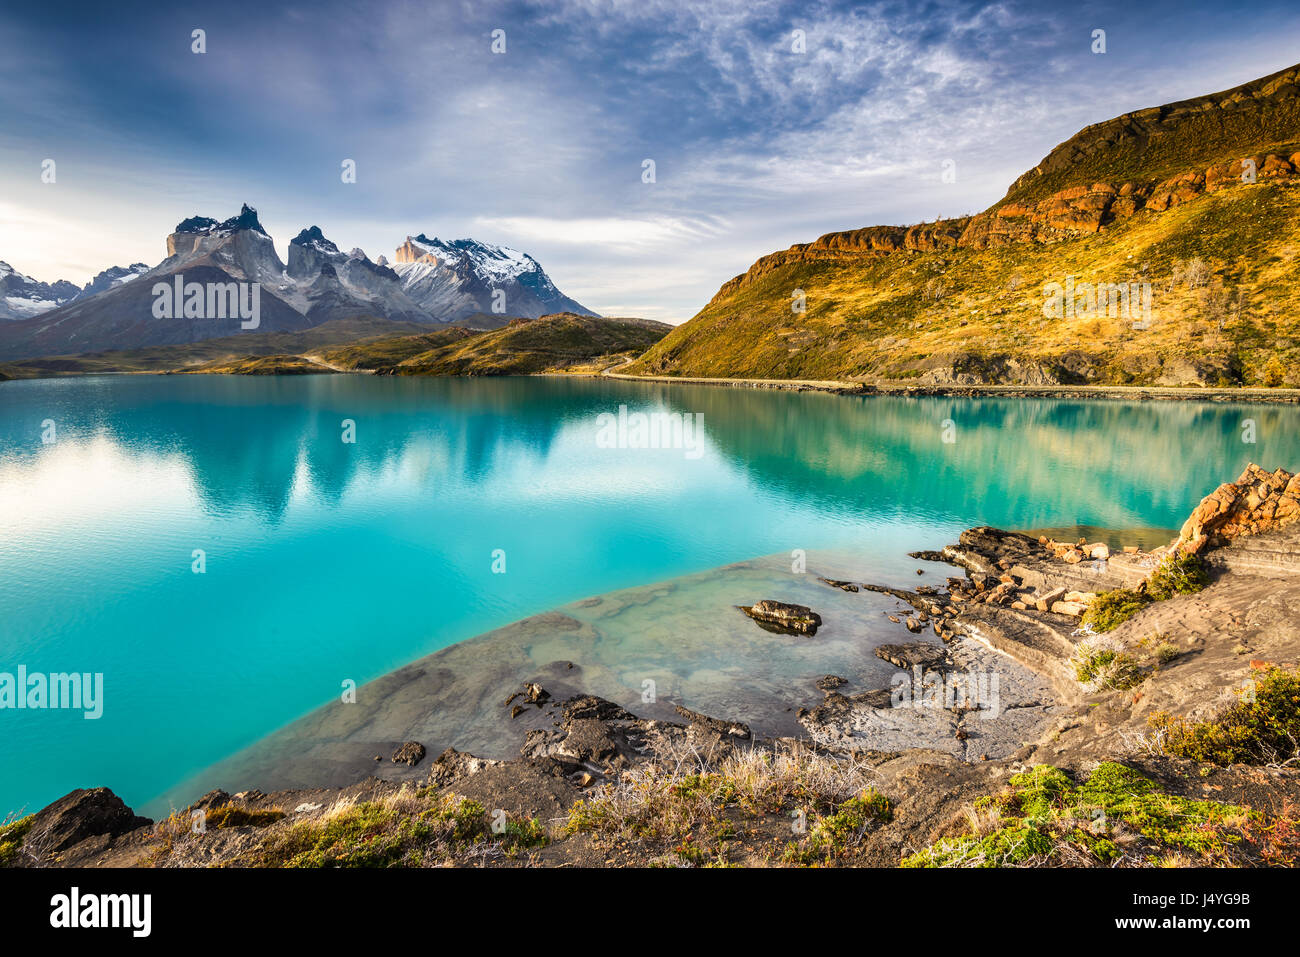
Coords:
pixel 756 147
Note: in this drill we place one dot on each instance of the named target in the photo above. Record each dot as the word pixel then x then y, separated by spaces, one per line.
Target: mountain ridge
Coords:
pixel 1167 198
pixel 320 283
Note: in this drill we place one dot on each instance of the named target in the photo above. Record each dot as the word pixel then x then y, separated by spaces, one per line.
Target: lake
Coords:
pixel 226 560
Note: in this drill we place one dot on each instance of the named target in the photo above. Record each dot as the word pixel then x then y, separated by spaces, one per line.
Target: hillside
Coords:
pixel 560 342
pixel 563 342
pixel 1159 197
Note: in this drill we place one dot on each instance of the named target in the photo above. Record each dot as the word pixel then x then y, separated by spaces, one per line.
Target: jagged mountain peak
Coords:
pixel 312 236
pixel 206 225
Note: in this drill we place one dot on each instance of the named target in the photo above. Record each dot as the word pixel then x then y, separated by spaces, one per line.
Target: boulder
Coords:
pixel 80 814
pixel 411 753
pixel 784 617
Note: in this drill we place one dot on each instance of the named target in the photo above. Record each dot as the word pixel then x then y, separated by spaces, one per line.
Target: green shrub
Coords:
pixel 1102 664
pixel 1166 652
pixel 1111 609
pixel 12 836
pixel 1178 575
pixel 1060 823
pixel 1261 727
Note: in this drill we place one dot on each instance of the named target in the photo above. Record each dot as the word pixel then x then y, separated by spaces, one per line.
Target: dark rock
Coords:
pixel 411 753
pixel 733 728
pixel 590 706
pixel 913 653
pixel 214 798
pixel 842 586
pixel 831 682
pixel 83 813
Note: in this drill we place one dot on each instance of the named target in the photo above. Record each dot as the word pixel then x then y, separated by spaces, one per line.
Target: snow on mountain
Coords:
pixel 453 279
pixel 431 281
pixel 22 297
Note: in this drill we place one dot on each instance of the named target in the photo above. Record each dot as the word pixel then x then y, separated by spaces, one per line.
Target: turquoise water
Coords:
pixel 329 561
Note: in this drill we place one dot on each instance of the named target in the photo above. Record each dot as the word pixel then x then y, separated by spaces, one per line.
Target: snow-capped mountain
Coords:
pixel 22 297
pixel 458 278
pixel 431 282
pixel 113 276
pixel 339 283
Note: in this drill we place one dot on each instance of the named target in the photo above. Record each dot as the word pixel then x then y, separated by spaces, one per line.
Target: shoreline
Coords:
pixel 1014 614
pixel 850 387
pixel 901 388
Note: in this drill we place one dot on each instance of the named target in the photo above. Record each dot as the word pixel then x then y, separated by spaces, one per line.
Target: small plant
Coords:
pixel 12 835
pixel 1166 652
pixel 1178 574
pixel 1102 664
pixel 1111 609
pixel 1261 727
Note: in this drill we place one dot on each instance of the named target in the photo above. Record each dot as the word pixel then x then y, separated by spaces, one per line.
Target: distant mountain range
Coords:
pixel 22 297
pixel 464 281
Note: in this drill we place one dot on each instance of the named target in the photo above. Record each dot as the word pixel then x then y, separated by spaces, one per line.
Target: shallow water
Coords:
pixel 328 561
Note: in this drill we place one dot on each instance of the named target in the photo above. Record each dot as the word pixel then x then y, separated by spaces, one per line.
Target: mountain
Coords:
pixel 1193 207
pixel 22 297
pixel 450 281
pixel 458 279
pixel 113 276
pixel 341 284
pixel 200 250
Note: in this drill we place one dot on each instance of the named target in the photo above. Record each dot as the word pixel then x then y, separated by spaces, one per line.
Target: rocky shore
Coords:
pixel 1064 655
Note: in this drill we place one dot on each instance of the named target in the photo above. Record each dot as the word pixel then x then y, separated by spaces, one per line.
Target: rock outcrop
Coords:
pixel 1258 501
pixel 82 814
pixel 784 617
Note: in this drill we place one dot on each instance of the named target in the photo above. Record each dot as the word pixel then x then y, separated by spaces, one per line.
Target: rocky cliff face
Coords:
pixel 1067 214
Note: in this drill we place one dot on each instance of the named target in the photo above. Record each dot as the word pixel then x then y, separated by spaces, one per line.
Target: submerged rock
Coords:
pixel 784 617
pixel 411 753
pixel 842 586
pixel 912 653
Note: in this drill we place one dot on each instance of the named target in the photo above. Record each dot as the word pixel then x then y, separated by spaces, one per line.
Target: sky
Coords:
pixel 756 144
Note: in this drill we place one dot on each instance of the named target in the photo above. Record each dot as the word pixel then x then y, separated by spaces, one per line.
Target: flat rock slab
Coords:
pixel 911 654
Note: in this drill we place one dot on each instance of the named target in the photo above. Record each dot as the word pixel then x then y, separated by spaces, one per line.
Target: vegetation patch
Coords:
pixel 1102 664
pixel 1111 609
pixel 404 830
pixel 694 805
pixel 1117 817
pixel 12 835
pixel 1178 574
pixel 1261 727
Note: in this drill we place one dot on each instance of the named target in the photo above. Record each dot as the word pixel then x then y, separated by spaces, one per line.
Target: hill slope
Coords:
pixel 560 342
pixel 1162 198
